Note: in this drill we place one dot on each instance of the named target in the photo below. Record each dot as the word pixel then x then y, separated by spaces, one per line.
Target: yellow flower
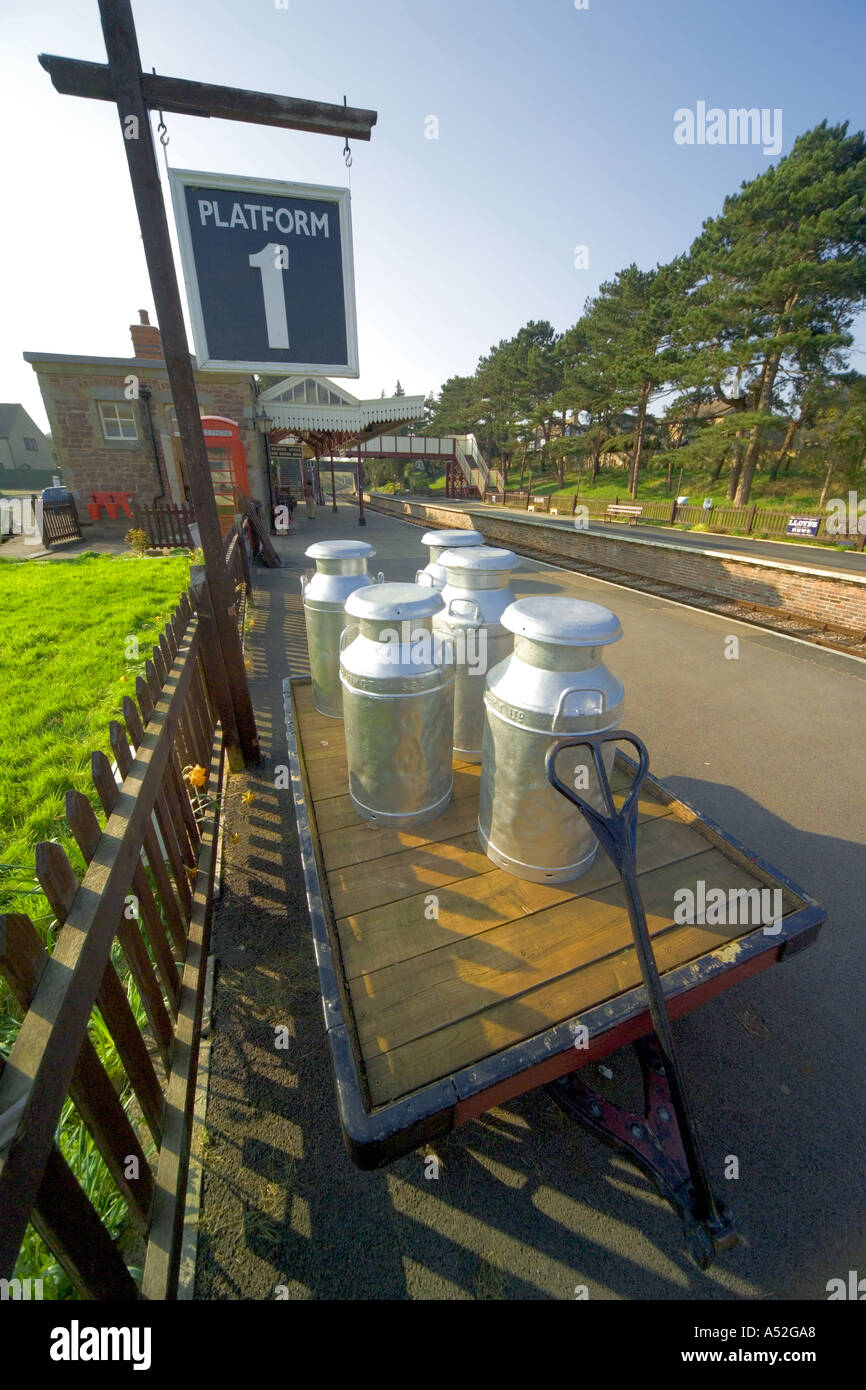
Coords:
pixel 235 839
pixel 252 622
pixel 124 678
pixel 248 665
pixel 196 776
pixel 248 798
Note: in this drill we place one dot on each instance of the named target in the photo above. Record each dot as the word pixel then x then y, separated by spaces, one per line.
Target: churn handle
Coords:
pixel 470 601
pixel 576 690
pixel 350 627
pixel 422 577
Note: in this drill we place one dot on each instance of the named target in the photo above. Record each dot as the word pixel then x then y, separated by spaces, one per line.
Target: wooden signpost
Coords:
pixel 135 94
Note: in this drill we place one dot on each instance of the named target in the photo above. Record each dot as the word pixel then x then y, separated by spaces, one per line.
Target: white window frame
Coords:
pixel 110 413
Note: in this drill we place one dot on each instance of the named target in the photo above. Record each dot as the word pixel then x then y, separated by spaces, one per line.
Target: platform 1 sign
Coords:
pixel 269 273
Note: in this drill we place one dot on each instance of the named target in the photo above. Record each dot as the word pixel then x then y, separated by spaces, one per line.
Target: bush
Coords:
pixel 137 540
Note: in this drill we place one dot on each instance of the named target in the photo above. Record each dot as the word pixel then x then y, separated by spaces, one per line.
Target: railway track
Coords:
pixel 838 639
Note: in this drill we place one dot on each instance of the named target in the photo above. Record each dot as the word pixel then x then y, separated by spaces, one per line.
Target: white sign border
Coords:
pixel 180 179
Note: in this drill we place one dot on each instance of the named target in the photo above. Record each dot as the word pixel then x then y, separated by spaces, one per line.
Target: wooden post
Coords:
pixel 333 485
pixel 214 669
pixel 752 512
pixel 125 67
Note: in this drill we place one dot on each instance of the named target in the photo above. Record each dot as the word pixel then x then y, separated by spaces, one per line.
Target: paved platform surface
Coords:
pixel 526 1205
pixel 818 557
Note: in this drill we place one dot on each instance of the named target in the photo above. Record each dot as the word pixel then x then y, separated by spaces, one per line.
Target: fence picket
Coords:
pixel 87 831
pixel 58 882
pixel 108 792
pixel 156 863
pixel 22 961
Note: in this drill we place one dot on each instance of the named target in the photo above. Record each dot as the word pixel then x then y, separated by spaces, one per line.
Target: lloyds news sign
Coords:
pixel 269 273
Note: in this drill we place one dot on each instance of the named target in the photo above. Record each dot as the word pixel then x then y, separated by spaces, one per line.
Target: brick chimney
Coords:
pixel 146 341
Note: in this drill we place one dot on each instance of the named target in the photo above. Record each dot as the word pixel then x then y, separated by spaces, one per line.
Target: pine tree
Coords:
pixel 776 279
pixel 627 328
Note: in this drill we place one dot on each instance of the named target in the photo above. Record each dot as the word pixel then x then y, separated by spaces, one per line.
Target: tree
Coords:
pixel 627 327
pixel 837 437
pixel 457 409
pixel 398 390
pixel 777 277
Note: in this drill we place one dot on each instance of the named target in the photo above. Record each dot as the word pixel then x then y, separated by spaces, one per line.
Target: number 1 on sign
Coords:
pixel 272 260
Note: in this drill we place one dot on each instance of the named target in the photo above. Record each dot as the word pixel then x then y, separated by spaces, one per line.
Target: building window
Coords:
pixel 32 445
pixel 118 420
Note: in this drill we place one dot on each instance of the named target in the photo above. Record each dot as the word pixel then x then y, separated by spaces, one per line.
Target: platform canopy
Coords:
pixel 327 417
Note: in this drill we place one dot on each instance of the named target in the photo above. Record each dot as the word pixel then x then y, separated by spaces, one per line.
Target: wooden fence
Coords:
pixel 57 521
pixel 148 888
pixel 751 520
pixel 166 524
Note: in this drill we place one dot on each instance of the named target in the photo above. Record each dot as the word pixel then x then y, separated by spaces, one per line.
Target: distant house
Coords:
pixel 22 443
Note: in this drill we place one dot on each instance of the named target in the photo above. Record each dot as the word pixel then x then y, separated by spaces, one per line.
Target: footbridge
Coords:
pixel 466 471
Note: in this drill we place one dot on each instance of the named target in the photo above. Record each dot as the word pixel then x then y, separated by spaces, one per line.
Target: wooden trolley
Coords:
pixel 449 986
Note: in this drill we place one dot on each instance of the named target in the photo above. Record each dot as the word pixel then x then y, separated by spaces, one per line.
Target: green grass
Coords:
pixel 798 490
pixel 67 664
pixel 64 628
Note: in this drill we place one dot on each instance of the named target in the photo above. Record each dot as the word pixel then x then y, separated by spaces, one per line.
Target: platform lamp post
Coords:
pixel 264 424
pixel 362 520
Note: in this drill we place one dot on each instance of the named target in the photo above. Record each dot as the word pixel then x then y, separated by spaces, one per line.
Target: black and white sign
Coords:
pixel 803 525
pixel 269 273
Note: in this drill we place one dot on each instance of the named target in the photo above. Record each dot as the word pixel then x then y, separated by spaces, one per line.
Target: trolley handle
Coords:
pixel 614 830
pixel 616 833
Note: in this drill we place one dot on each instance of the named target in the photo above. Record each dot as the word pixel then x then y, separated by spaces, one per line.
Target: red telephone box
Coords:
pixel 228 465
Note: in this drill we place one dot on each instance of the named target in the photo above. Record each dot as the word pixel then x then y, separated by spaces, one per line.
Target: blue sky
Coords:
pixel 555 130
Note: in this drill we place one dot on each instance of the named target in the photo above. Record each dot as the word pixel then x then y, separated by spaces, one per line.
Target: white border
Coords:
pixel 180 179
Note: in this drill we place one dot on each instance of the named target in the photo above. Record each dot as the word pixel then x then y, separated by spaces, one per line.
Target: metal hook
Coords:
pixel 162 128
pixel 347 153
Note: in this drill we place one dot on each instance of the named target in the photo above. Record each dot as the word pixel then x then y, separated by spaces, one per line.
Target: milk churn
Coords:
pixel 554 683
pixel 398 705
pixel 476 594
pixel 437 541
pixel 341 567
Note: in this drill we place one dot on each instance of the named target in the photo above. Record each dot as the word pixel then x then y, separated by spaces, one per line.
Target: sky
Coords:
pixel 554 125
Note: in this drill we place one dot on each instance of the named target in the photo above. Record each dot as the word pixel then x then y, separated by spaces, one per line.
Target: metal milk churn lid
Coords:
pixel 398 705
pixel 437 541
pixel 476 594
pixel 554 683
pixel 341 567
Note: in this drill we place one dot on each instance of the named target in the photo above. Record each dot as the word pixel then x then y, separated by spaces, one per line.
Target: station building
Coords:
pixel 114 429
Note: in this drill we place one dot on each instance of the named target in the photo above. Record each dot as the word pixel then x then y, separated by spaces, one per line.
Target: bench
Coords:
pixel 623 511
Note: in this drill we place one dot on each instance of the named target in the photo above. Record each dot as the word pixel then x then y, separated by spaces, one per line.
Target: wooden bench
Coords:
pixel 623 511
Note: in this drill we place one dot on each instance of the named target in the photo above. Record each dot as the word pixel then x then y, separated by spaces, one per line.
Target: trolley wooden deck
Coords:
pixel 449 986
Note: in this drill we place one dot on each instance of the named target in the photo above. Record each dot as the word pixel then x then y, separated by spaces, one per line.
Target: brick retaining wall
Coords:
pixel 820 595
